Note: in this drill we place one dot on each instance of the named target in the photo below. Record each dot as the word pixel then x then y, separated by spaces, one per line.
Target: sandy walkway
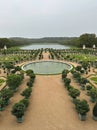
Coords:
pixel 50 108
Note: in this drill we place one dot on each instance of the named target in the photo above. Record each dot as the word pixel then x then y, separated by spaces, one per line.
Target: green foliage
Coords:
pixel 94 79
pixel 83 81
pixel 25 102
pixel 64 73
pixel 76 75
pixel 67 82
pixel 87 39
pixel 2 104
pixel 73 92
pixel 93 93
pixel 82 107
pixel 78 68
pixel 88 87
pixel 3 42
pixel 17 68
pixel 14 81
pixel 8 65
pixel 27 92
pixel 95 110
pixel 6 94
pixel 85 65
pixel 30 73
pixel 18 110
pixel 29 84
pixel 1 81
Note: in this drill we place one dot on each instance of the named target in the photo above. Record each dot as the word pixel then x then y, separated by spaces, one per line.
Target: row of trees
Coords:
pixel 19 108
pixel 91 91
pixel 81 106
pixel 13 82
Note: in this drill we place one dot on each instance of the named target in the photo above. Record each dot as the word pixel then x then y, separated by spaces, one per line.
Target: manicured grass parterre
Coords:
pixel 94 79
pixel 1 81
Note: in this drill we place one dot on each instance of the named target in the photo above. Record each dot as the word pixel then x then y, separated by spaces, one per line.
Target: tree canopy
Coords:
pixel 88 40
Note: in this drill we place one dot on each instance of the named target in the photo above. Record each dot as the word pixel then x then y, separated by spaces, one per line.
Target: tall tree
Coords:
pixel 4 41
pixel 87 39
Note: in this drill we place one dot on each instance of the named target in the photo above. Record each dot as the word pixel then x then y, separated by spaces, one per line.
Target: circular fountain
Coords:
pixel 47 67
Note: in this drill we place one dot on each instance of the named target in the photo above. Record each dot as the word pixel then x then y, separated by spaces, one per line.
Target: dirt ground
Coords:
pixel 50 107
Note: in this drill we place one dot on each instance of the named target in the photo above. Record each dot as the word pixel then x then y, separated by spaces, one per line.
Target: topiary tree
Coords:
pixel 85 65
pixel 93 94
pixel 27 92
pixel 64 73
pixel 17 68
pixel 31 74
pixel 18 110
pixel 67 82
pixel 82 108
pixel 78 68
pixel 2 104
pixel 83 82
pixel 95 112
pixel 88 88
pixel 77 76
pixel 28 72
pixel 9 66
pixel 6 94
pixel 14 81
pixel 73 92
pixel 29 84
pixel 25 102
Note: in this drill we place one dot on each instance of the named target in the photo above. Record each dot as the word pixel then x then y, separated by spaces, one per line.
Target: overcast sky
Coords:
pixel 45 18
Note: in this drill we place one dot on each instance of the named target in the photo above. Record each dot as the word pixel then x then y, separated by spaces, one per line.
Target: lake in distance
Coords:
pixel 44 46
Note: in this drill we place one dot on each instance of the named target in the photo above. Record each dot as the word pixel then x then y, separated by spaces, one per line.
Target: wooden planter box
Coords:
pixel 20 119
pixel 2 109
pixel 82 117
pixel 82 87
pixel 93 99
pixel 94 117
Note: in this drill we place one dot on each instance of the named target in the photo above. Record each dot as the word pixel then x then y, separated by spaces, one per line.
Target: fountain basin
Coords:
pixel 47 67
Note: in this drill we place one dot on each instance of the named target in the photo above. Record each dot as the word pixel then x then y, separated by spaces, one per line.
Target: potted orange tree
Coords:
pixel 18 110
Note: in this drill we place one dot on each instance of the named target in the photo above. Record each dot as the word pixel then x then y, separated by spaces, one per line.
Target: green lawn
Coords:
pixel 1 81
pixel 94 79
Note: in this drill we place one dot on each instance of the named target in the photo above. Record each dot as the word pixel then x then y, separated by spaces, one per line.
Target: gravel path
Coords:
pixel 50 108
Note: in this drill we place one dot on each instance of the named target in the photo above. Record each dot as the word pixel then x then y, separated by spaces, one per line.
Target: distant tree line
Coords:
pixel 9 42
pixel 85 39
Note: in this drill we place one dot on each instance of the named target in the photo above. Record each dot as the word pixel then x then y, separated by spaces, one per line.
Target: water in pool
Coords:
pixel 45 45
pixel 47 67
